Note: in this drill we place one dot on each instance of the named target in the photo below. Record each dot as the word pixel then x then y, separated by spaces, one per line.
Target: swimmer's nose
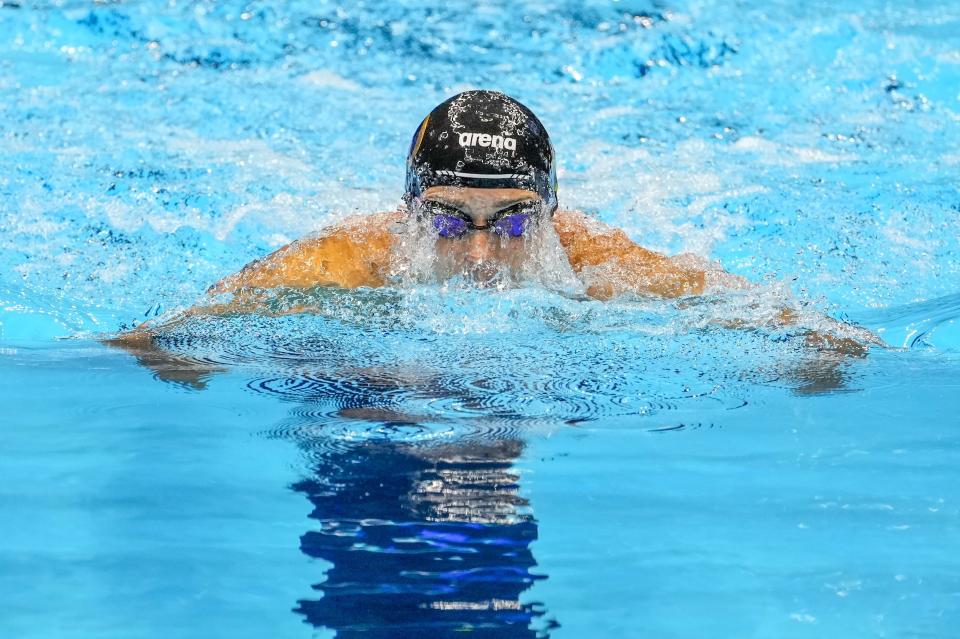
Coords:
pixel 479 246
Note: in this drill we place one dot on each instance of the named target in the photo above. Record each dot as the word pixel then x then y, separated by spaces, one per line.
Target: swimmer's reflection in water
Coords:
pixel 423 542
pixel 425 539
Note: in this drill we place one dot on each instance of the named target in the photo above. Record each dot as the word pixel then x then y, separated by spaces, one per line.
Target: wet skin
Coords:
pixel 480 252
pixel 362 251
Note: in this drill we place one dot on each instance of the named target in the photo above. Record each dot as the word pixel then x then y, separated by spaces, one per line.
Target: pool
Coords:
pixel 425 461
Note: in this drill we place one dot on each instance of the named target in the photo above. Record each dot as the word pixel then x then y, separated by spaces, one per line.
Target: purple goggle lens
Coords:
pixel 512 225
pixel 452 226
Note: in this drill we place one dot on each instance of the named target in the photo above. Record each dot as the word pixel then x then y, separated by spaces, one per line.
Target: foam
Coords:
pixel 770 152
pixel 327 79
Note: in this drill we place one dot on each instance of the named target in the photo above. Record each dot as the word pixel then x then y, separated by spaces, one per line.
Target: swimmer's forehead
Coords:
pixel 470 195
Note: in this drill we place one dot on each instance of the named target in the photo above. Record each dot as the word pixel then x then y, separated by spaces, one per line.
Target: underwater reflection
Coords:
pixel 425 537
pixel 422 541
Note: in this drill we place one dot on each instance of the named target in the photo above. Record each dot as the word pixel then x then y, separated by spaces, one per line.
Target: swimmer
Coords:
pixel 481 180
pixel 481 195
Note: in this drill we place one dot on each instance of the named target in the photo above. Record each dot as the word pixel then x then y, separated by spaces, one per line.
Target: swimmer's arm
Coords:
pixel 169 366
pixel 612 264
pixel 350 255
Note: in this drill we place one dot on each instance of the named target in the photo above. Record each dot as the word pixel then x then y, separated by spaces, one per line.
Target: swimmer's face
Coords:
pixel 499 219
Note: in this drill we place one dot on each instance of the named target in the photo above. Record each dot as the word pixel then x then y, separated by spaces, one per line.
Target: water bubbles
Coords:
pixel 385 366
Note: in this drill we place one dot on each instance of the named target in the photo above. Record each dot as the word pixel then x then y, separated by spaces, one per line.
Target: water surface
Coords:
pixel 428 461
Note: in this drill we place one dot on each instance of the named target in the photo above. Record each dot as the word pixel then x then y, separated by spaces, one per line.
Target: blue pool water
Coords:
pixel 422 461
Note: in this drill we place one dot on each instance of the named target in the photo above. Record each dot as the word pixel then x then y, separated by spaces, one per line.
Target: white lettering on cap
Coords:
pixel 488 141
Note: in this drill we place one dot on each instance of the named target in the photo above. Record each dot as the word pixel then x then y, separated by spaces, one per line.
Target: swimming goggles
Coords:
pixel 452 223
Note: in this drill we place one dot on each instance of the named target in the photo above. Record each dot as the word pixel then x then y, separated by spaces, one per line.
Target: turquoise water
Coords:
pixel 423 461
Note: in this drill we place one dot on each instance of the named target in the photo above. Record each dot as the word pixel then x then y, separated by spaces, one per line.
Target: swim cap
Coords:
pixel 482 139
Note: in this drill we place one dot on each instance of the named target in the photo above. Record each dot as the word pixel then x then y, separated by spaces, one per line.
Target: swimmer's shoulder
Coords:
pixel 588 241
pixel 569 221
pixel 351 253
pixel 354 252
pixel 370 232
pixel 612 263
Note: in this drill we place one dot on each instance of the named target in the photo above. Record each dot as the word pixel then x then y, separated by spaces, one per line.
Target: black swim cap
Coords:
pixel 482 139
